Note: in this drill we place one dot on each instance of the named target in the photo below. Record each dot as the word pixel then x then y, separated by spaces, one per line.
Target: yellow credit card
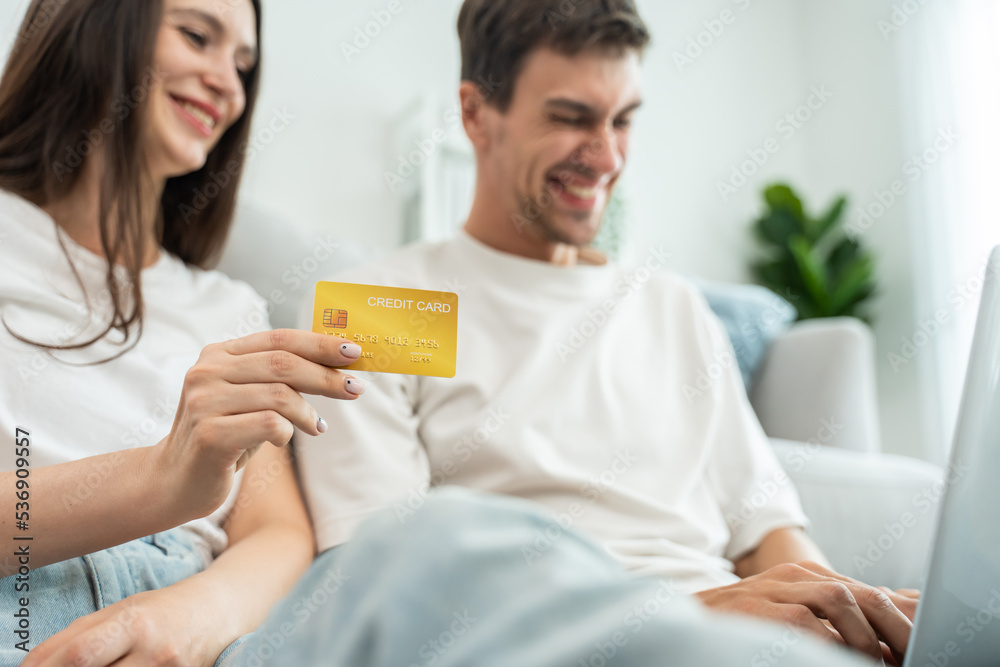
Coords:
pixel 400 330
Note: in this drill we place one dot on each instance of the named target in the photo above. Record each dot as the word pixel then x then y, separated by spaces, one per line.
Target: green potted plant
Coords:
pixel 812 261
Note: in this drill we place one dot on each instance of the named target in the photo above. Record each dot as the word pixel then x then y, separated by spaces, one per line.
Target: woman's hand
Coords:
pixel 156 628
pixel 243 394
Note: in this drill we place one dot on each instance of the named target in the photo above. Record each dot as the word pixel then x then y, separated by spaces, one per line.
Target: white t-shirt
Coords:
pixel 76 411
pixel 611 398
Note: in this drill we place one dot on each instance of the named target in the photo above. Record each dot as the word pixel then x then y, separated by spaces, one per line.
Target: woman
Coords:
pixel 125 413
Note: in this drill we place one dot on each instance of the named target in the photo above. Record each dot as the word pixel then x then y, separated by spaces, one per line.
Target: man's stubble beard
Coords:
pixel 543 225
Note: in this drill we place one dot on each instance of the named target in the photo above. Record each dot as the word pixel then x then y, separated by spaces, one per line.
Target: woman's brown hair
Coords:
pixel 76 84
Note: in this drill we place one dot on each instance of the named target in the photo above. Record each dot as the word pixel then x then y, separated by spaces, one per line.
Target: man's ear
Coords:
pixel 474 114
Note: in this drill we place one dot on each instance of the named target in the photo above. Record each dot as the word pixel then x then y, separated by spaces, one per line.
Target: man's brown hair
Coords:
pixel 497 36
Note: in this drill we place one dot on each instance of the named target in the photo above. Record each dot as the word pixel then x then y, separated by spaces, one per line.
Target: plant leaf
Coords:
pixel 780 197
pixel 777 227
pixel 813 272
pixel 857 278
pixel 842 256
pixel 829 220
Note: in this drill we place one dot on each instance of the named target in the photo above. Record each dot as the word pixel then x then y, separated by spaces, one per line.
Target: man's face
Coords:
pixel 557 152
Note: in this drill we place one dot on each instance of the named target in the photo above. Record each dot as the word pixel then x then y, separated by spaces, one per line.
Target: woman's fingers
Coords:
pixel 233 435
pixel 246 456
pixel 244 398
pixel 297 372
pixel 317 348
pixel 97 639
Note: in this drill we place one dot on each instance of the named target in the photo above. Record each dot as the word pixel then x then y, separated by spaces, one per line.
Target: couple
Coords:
pixel 167 535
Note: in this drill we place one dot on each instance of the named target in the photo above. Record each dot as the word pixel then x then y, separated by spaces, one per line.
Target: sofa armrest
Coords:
pixel 873 515
pixel 820 373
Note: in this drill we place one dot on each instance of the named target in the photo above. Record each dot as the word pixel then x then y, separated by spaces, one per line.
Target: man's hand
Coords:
pixel 806 594
pixel 154 628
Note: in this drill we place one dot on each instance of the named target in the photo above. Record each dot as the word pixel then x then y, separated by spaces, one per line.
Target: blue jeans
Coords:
pixel 62 592
pixel 471 579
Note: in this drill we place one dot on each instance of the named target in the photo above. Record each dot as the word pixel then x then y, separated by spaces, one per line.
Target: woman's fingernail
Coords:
pixel 351 350
pixel 321 425
pixel 354 386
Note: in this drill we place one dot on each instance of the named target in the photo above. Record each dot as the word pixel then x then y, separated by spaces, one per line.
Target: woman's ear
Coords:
pixel 474 114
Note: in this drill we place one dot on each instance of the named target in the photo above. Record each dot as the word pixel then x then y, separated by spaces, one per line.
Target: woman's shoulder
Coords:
pixel 181 290
pixel 200 283
pixel 18 217
pixel 29 245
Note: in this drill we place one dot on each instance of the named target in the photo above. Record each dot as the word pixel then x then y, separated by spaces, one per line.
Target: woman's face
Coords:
pixel 204 50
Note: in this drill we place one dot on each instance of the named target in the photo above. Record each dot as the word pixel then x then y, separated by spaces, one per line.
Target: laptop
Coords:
pixel 958 617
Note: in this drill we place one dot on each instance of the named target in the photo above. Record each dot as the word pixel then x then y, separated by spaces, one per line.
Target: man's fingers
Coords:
pixel 297 372
pixel 892 625
pixel 318 348
pixel 905 603
pixel 907 593
pixel 835 602
pixel 801 617
pixel 889 622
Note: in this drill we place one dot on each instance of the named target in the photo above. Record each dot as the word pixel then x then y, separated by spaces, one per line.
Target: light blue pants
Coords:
pixel 479 580
pixel 62 592
pixel 468 579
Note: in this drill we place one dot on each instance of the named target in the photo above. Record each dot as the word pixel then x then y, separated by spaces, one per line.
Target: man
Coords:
pixel 589 422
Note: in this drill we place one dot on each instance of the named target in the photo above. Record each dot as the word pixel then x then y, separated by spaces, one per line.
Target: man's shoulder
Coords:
pixel 664 286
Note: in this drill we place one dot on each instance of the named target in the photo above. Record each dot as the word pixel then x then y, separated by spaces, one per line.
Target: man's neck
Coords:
pixel 490 223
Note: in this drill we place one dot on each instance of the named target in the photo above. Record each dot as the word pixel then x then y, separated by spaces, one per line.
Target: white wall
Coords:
pixel 701 118
pixel 325 171
pixel 858 149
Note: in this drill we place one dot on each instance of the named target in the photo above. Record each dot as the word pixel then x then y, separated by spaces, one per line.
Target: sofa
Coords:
pixel 813 390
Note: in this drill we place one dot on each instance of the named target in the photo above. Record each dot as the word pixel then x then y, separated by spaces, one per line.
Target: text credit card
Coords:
pixel 400 330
